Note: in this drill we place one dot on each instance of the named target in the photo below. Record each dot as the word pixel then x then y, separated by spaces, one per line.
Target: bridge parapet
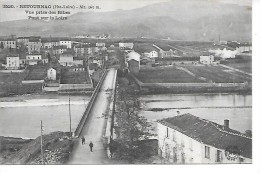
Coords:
pixel 90 105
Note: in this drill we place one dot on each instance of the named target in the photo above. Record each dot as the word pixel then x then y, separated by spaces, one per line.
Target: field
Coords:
pixel 37 73
pixel 171 74
pixel 245 66
pixel 79 77
pixel 218 74
pixel 166 75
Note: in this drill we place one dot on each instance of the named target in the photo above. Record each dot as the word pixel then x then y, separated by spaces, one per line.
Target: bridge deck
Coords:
pixel 94 128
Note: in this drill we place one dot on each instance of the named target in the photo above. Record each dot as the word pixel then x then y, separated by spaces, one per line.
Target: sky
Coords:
pixel 7 14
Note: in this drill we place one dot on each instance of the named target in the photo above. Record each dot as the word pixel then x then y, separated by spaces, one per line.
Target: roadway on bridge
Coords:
pixel 93 130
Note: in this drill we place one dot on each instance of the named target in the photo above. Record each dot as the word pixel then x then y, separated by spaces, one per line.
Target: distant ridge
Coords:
pixel 189 20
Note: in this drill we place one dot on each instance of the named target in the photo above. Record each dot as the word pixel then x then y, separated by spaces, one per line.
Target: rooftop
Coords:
pixel 210 133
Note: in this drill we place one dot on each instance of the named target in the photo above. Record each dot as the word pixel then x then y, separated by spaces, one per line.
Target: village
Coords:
pixel 77 64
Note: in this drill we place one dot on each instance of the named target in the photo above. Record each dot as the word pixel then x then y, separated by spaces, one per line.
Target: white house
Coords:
pixel 65 42
pixel 33 59
pixel 126 45
pixel 8 43
pixel 12 62
pixel 66 59
pixel 152 54
pixel 51 74
pixel 189 139
pixel 208 59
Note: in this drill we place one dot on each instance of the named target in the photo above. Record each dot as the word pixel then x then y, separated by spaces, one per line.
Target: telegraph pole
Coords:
pixel 70 117
pixel 42 144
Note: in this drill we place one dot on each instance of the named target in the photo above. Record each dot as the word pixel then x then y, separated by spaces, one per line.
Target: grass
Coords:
pixel 218 74
pixel 165 75
pixel 37 72
pixel 171 74
pixel 245 66
pixel 79 77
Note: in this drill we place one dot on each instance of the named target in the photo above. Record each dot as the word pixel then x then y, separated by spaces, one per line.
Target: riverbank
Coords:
pixel 57 149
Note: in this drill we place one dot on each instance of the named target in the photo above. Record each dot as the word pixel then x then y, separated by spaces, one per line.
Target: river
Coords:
pixel 214 107
pixel 20 116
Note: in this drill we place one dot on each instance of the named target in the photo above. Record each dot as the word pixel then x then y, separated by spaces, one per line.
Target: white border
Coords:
pixel 249 168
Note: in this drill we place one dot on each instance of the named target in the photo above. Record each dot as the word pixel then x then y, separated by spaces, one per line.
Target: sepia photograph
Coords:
pixel 143 82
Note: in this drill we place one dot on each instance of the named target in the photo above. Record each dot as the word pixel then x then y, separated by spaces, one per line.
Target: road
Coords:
pixel 94 128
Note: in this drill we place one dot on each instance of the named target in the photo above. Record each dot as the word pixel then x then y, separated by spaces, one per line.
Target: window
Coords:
pixel 241 160
pixel 219 156
pixel 207 152
pixel 167 132
pixel 190 145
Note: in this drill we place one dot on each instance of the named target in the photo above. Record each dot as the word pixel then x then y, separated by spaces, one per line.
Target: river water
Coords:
pixel 20 116
pixel 214 107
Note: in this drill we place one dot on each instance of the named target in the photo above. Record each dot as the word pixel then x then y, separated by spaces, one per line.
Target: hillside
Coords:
pixel 188 20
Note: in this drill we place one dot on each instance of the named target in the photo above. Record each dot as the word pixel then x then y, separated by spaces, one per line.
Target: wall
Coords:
pixel 194 151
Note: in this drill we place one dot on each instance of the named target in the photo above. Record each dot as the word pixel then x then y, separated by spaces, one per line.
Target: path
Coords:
pixel 93 130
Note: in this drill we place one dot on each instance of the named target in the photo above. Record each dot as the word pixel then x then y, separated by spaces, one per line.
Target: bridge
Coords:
pixel 93 124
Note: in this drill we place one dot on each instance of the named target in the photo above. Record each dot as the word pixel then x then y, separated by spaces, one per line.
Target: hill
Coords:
pixel 189 20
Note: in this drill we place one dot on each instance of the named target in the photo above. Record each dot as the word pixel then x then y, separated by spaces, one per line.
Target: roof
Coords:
pixel 60 47
pixel 143 47
pixel 34 39
pixel 133 56
pixel 164 47
pixel 210 133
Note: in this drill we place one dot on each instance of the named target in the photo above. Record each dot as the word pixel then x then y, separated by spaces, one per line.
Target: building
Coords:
pixel 34 59
pixel 133 62
pixel 189 139
pixel 99 44
pixel 23 40
pixel 124 45
pixel 12 62
pixel 207 59
pixel 152 54
pixel 165 51
pixel 34 45
pixel 51 74
pixel 57 50
pixel 8 43
pixel 66 42
pixel 244 48
pixel 82 49
pixel 66 59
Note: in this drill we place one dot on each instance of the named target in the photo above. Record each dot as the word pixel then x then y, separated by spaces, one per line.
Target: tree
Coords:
pixel 130 127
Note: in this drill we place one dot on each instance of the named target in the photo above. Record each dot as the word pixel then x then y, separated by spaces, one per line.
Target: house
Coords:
pixel 34 59
pixel 124 45
pixel 82 49
pixel 12 62
pixel 165 51
pixel 57 50
pixel 152 54
pixel 188 139
pixel 133 62
pixel 51 74
pixel 66 42
pixel 23 40
pixel 207 59
pixel 99 44
pixel 8 43
pixel 244 48
pixel 66 59
pixel 46 43
pixel 34 45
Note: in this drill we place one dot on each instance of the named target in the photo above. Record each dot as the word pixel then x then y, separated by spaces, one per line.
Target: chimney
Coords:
pixel 226 123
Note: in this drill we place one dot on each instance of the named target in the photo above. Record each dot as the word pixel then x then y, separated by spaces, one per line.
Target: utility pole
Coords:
pixel 42 144
pixel 70 117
